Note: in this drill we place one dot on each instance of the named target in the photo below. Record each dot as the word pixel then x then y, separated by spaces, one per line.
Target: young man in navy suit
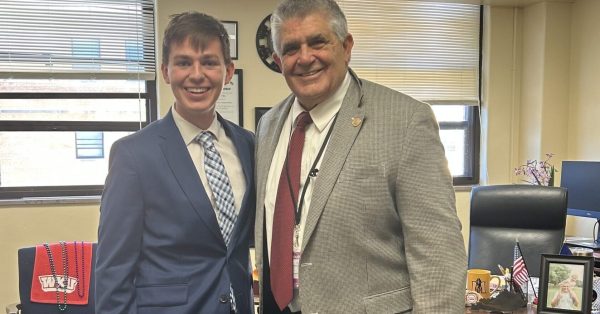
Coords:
pixel 175 217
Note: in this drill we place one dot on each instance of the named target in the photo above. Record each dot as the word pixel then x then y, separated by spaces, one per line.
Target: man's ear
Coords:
pixel 277 60
pixel 347 44
pixel 165 73
pixel 229 70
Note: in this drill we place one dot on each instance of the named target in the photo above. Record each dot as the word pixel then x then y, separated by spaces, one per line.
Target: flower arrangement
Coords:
pixel 538 172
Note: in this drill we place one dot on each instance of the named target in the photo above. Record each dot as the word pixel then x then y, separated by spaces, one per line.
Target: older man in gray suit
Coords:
pixel 356 210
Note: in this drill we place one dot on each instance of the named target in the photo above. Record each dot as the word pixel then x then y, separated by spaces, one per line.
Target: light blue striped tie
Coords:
pixel 217 178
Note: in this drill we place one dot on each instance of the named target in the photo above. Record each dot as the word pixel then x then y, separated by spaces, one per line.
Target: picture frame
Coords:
pixel 232 30
pixel 230 104
pixel 258 113
pixel 565 284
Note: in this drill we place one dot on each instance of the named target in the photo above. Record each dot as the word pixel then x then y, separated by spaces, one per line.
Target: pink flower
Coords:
pixel 538 172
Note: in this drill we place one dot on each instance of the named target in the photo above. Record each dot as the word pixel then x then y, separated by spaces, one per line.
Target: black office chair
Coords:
pixel 500 214
pixel 26 263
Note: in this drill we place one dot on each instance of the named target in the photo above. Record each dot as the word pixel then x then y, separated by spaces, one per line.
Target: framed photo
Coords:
pixel 232 30
pixel 258 113
pixel 230 104
pixel 565 284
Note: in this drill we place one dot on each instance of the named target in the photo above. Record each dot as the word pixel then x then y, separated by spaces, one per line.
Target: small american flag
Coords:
pixel 520 274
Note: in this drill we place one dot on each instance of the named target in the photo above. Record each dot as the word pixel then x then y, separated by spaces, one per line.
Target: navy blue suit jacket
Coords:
pixel 160 249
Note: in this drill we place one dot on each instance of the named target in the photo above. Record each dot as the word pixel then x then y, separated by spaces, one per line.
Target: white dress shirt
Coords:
pixel 226 149
pixel 323 116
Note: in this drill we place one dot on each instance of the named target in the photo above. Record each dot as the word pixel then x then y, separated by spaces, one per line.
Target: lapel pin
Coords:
pixel 356 121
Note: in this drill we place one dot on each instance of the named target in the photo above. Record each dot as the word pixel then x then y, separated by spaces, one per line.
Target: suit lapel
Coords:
pixel 267 138
pixel 268 143
pixel 183 169
pixel 343 135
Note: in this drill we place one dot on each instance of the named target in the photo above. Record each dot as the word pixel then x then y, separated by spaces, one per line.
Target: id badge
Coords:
pixel 296 257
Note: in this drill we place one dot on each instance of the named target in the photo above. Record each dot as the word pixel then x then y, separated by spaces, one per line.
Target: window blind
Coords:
pixel 428 50
pixel 77 39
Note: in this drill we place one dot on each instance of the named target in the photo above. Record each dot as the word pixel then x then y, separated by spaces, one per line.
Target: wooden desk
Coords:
pixel 529 310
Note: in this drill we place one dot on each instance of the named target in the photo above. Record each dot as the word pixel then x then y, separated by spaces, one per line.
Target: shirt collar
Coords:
pixel 324 112
pixel 189 131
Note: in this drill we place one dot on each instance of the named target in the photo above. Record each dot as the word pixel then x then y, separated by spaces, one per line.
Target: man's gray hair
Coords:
pixel 288 9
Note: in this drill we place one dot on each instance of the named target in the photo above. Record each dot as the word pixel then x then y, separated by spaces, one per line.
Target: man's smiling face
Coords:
pixel 313 60
pixel 197 77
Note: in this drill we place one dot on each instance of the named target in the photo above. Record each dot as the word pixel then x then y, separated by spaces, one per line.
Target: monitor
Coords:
pixel 582 180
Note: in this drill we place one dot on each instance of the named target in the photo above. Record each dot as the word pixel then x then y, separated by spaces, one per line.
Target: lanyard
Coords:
pixel 312 173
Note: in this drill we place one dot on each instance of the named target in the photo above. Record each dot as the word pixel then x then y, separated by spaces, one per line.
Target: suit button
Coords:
pixel 224 298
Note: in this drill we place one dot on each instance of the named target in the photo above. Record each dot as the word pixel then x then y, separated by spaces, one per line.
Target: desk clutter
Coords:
pixel 505 301
pixel 567 284
pixel 508 291
pixel 497 293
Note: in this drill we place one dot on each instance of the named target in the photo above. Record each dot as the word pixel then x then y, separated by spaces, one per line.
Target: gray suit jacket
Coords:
pixel 382 234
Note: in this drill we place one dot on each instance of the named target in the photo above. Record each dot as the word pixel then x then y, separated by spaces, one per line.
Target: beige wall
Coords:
pixel 500 94
pixel 583 134
pixel 539 61
pixel 534 22
pixel 545 81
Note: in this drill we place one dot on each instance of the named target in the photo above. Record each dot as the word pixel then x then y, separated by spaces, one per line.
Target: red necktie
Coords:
pixel 284 216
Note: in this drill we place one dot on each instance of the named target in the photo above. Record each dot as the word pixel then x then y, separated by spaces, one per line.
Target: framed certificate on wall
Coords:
pixel 230 104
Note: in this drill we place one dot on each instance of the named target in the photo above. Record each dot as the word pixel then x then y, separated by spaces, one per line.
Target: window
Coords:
pixel 459 132
pixel 75 76
pixel 134 53
pixel 430 51
pixel 86 49
pixel 89 145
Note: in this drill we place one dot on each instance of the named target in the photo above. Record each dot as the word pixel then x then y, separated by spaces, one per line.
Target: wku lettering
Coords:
pixel 48 283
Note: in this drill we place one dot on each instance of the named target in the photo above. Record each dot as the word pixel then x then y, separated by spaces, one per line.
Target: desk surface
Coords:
pixel 529 310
